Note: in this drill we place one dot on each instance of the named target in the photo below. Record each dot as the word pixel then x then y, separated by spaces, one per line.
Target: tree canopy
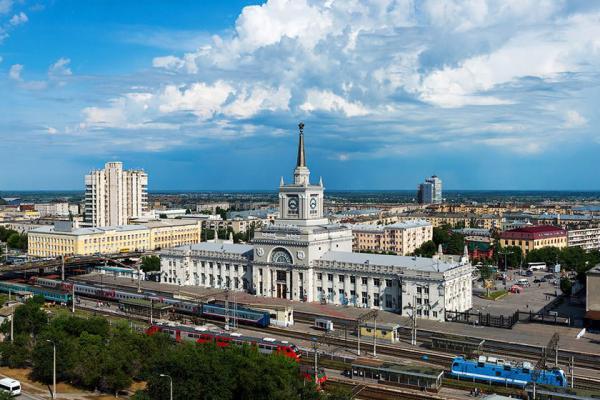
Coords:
pixel 150 263
pixel 93 354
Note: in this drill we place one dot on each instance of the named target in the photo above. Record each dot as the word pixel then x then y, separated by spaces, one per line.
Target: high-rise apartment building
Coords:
pixel 114 195
pixel 430 192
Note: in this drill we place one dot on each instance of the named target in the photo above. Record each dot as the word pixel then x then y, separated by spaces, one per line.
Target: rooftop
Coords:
pixel 89 231
pixel 232 248
pixel 409 262
pixel 538 229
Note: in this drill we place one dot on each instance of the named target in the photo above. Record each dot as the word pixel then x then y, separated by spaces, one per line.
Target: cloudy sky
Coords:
pixel 208 94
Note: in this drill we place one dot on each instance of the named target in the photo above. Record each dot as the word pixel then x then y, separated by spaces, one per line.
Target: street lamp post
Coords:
pixel 170 385
pixel 53 368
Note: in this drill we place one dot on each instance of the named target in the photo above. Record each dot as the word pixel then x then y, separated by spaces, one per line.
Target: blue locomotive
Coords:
pixel 494 370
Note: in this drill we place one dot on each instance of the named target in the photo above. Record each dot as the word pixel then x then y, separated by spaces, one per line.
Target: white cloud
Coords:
pixel 51 130
pixel 168 62
pixel 5 6
pixel 545 55
pixel 18 19
pixel 14 72
pixel 574 120
pixel 249 103
pixel 266 24
pixel 199 99
pixel 60 68
pixel 327 101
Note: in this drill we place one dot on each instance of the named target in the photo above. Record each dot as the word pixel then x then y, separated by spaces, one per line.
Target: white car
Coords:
pixel 11 386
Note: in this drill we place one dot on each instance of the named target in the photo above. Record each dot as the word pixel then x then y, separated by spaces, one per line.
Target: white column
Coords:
pixel 296 285
pixel 370 294
pixel 347 287
pixel 288 284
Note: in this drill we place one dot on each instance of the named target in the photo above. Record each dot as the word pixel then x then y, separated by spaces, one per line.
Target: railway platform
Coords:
pixel 522 333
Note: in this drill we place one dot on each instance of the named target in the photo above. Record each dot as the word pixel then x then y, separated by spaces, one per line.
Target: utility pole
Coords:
pixel 226 309
pixel 362 318
pixel 73 298
pixel 53 368
pixel 375 336
pixel 316 361
pixel 572 371
pixel 12 327
pixel 139 282
pixel 62 268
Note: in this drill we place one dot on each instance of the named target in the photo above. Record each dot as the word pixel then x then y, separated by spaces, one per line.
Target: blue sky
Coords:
pixel 206 95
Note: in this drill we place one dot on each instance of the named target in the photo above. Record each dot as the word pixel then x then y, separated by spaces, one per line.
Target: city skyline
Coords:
pixel 487 97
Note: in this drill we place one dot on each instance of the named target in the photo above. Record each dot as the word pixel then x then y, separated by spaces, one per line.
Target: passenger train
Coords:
pixel 494 370
pixel 240 315
pixel 224 339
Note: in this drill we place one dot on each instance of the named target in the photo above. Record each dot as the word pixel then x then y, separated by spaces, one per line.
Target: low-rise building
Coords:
pixel 63 239
pixel 401 238
pixel 534 237
pixel 212 206
pixel 46 209
pixel 592 301
pixel 586 238
pixel 218 265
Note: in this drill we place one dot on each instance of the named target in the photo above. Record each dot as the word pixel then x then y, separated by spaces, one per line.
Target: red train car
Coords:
pixel 223 339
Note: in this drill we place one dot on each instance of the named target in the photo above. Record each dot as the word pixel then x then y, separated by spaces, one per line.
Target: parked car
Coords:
pixel 537 280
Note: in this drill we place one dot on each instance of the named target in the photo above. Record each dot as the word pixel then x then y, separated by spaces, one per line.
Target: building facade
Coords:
pixel 303 257
pixel 401 238
pixel 586 238
pixel 430 191
pixel 113 195
pixel 62 239
pixel 534 237
pixel 592 300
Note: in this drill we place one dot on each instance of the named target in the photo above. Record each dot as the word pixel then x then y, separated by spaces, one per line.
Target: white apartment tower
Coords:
pixel 113 195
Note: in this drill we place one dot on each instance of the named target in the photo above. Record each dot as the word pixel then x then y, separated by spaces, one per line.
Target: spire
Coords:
pixel 321 181
pixel 301 157
pixel 281 183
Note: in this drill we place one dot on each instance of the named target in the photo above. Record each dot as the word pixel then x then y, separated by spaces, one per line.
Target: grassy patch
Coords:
pixel 495 295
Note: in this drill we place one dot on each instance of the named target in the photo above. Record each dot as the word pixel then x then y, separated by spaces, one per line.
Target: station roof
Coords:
pixel 234 248
pixel 409 262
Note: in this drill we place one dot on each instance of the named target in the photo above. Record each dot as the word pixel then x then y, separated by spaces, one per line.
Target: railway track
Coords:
pixel 517 350
pixel 372 391
pixel 367 391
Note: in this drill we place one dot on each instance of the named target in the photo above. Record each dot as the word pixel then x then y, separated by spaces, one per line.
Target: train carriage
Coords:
pixel 224 339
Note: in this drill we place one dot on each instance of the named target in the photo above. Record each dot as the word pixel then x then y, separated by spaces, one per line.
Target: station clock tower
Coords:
pixel 300 202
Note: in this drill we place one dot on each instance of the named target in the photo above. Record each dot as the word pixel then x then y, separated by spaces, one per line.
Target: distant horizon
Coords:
pixel 275 190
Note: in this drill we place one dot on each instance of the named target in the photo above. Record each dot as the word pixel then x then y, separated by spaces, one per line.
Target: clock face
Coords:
pixel 293 203
pixel 281 256
pixel 313 203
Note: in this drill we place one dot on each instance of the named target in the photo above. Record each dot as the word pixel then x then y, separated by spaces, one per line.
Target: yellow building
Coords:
pixel 63 239
pixel 534 237
pixel 402 238
pixel 381 331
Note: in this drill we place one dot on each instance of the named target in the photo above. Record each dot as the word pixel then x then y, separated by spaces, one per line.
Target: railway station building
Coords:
pixel 304 257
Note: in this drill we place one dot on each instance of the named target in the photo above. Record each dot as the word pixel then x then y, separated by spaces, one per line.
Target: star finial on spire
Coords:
pixel 301 156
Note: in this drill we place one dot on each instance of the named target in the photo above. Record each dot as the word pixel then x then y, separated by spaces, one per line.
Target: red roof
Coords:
pixel 534 232
pixel 538 229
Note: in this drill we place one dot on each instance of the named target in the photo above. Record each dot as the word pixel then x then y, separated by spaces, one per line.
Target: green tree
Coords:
pixel 427 249
pixel 486 272
pixel 29 317
pixel 441 235
pixel 565 286
pixel 456 244
pixel 150 263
